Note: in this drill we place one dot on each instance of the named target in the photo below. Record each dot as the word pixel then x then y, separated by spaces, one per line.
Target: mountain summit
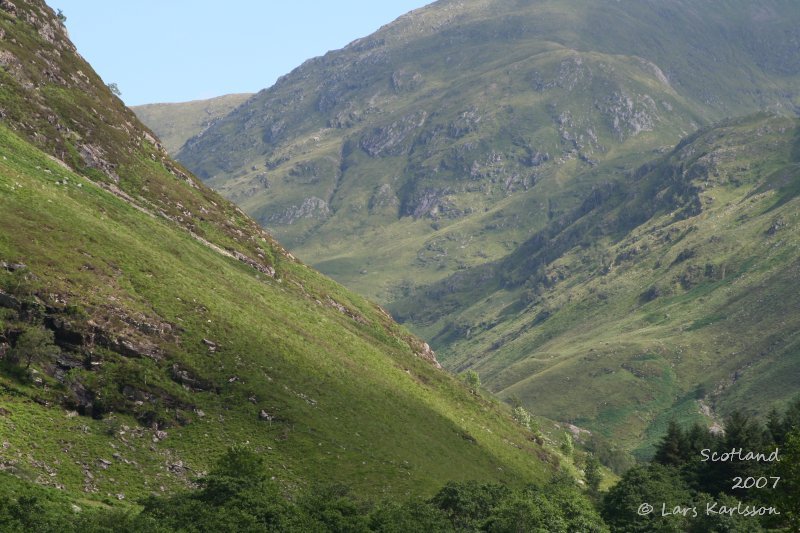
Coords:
pixel 450 135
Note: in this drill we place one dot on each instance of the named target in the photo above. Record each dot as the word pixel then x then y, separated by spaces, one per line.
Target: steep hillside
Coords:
pixel 146 324
pixel 450 136
pixel 174 123
pixel 670 291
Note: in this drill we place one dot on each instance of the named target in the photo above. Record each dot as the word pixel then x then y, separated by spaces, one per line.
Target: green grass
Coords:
pixel 133 250
pixel 723 317
pixel 353 402
pixel 556 320
pixel 175 123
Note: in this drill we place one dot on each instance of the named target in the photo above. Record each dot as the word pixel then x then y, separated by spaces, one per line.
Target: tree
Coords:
pixel 522 417
pixel 61 16
pixel 473 381
pixel 526 512
pixel 114 88
pixel 235 471
pixel 591 472
pixel 672 449
pixel 235 496
pixel 788 493
pixel 567 446
pixel 414 515
pixel 654 485
pixel 469 504
pixel 34 344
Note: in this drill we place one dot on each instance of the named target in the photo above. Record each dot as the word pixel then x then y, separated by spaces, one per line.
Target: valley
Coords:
pixel 562 241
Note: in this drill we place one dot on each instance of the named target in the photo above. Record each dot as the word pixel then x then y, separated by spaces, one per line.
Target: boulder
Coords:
pixel 10 302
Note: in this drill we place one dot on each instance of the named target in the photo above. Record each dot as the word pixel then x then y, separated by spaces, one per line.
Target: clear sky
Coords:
pixel 179 50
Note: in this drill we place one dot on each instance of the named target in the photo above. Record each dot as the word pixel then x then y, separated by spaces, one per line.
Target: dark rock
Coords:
pixel 776 226
pixel 65 333
pixel 9 302
pixel 684 255
pixel 128 347
pixel 68 361
pixel 177 468
pixel 650 294
pixel 135 395
pixel 425 202
pixel 390 140
pixel 82 399
pixel 186 378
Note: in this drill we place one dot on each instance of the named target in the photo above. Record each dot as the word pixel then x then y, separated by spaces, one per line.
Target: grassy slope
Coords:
pixel 500 82
pixel 675 287
pixel 175 123
pixel 123 248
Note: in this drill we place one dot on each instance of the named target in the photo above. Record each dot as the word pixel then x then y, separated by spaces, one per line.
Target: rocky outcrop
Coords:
pixel 313 207
pixel 8 7
pixel 427 201
pixel 9 302
pixel 94 158
pixel 629 115
pixel 383 198
pixel 189 379
pixel 391 140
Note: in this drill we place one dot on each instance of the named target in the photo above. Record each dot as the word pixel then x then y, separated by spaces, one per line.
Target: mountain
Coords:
pixel 147 324
pixel 522 182
pixel 668 292
pixel 174 123
pixel 453 134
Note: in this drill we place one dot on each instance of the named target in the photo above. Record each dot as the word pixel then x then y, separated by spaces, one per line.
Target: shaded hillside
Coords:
pixel 147 324
pixel 449 136
pixel 668 292
pixel 174 123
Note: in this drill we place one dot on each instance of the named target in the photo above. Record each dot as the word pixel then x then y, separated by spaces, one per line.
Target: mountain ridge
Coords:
pixel 176 122
pixel 450 126
pixel 147 324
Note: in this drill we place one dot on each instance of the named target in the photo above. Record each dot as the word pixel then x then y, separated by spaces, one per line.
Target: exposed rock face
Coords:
pixel 404 81
pixel 8 7
pixel 428 354
pixel 426 202
pixel 189 380
pixel 383 198
pixel 390 140
pixel 312 207
pixel 630 115
pixel 10 302
pixel 94 157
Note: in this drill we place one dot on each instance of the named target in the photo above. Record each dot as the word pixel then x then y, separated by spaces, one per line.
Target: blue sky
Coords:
pixel 179 50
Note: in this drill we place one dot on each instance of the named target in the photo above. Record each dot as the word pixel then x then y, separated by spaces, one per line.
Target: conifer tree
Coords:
pixel 672 449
